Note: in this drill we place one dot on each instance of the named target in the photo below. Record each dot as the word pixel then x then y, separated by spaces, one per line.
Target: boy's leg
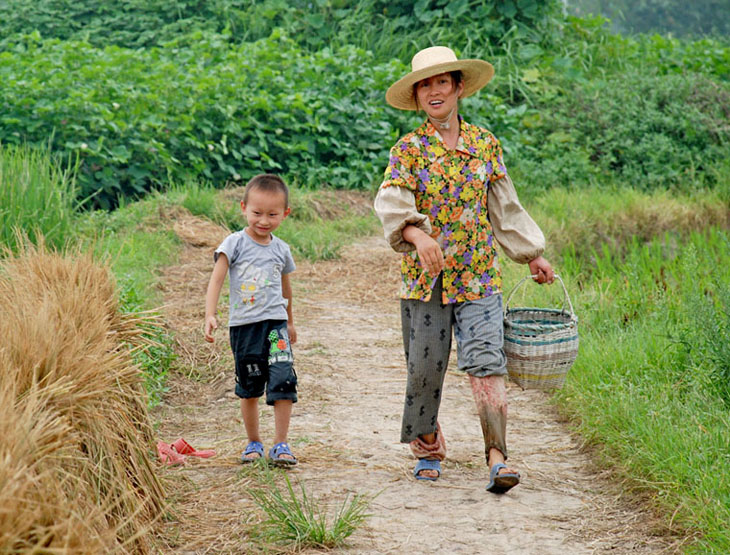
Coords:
pixel 282 417
pixel 281 389
pixel 479 334
pixel 250 415
pixel 248 346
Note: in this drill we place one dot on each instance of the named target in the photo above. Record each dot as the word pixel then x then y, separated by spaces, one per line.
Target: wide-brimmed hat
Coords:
pixel 432 61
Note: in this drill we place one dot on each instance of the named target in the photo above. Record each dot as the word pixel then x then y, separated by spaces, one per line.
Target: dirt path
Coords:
pixel 345 432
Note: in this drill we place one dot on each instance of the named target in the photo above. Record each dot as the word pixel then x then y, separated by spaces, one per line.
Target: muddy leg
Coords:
pixel 490 395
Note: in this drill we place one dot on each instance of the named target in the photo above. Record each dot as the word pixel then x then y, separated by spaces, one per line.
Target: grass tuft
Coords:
pixel 295 519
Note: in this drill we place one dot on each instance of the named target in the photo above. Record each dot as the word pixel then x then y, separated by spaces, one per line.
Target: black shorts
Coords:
pixel 264 361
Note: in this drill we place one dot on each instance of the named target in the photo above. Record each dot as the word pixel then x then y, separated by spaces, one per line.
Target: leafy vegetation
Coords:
pixel 315 25
pixel 301 93
pixel 701 17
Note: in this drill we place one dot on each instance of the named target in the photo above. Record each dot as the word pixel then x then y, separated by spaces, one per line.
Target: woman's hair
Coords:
pixel 269 183
pixel 456 78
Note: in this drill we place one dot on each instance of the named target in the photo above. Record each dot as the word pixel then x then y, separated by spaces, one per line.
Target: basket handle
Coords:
pixel 519 283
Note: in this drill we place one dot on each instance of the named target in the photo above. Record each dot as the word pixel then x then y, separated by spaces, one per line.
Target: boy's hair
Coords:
pixel 269 183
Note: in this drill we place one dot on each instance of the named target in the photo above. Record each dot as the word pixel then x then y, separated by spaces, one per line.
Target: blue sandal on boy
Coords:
pixel 253 447
pixel 427 464
pixel 276 452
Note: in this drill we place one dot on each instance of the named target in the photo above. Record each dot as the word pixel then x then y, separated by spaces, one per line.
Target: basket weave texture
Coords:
pixel 540 344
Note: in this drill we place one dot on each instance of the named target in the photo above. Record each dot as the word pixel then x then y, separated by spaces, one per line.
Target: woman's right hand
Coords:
pixel 429 251
pixel 430 254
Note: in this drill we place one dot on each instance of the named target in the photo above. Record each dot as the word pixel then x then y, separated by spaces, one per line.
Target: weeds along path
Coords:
pixel 346 425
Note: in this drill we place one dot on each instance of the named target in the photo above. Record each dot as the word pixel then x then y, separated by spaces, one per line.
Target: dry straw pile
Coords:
pixel 75 470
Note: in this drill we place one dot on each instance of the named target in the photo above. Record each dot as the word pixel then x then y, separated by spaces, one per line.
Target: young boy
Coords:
pixel 260 319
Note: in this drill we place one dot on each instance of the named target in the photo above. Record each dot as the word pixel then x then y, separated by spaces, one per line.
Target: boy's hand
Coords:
pixel 542 269
pixel 211 324
pixel 292 331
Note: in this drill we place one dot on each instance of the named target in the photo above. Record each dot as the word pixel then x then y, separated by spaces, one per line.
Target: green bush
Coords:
pixel 643 130
pixel 200 108
pixel 302 93
pixel 387 28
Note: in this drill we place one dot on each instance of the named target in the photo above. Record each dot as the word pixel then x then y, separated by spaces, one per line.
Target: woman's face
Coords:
pixel 437 95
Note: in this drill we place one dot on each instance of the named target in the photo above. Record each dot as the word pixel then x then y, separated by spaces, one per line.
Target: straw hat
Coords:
pixel 432 61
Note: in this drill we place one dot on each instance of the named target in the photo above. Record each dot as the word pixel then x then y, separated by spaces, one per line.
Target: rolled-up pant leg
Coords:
pixel 427 341
pixel 479 333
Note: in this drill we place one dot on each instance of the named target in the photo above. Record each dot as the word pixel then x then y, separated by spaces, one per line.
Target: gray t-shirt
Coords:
pixel 254 274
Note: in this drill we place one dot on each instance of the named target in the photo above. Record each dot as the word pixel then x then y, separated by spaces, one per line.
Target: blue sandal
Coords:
pixel 253 447
pixel 500 483
pixel 276 452
pixel 427 464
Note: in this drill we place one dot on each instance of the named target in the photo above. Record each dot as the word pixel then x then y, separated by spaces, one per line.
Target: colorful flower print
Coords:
pixel 450 187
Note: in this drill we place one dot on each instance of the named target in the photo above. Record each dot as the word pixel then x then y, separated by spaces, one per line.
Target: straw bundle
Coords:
pixel 75 472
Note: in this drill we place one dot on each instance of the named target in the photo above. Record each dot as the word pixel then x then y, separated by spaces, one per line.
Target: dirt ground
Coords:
pixel 345 431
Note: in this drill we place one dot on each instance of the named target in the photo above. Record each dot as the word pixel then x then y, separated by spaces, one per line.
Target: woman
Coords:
pixel 445 200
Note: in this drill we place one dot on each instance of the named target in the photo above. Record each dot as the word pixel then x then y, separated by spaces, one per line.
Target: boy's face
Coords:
pixel 264 211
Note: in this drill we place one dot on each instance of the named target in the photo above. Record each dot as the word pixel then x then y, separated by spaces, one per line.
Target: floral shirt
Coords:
pixel 450 187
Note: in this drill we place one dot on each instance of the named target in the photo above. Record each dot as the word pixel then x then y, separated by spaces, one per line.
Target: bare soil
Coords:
pixel 345 432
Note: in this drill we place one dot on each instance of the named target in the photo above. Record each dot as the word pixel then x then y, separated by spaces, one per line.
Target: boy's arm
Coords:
pixel 287 293
pixel 211 297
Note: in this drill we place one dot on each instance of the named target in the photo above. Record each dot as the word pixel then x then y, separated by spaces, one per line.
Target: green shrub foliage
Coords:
pixel 647 131
pixel 145 94
pixel 200 108
pixel 313 24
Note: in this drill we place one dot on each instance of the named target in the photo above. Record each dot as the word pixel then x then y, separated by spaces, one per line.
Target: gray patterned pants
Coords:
pixel 427 327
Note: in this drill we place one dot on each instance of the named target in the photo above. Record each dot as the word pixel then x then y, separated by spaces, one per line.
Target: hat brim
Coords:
pixel 475 73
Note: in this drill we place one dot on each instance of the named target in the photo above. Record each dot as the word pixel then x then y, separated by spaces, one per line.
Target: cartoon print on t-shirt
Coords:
pixel 253 282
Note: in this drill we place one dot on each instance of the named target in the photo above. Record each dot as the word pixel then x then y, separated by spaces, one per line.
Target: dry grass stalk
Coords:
pixel 75 471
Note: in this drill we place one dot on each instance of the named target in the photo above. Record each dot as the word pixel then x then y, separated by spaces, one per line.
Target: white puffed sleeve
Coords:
pixel 517 233
pixel 396 208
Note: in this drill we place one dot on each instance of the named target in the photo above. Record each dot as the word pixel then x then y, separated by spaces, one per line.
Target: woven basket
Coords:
pixel 540 343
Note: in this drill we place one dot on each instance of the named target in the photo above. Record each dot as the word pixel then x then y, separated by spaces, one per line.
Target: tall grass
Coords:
pixel 649 387
pixel 582 221
pixel 37 196
pixel 649 277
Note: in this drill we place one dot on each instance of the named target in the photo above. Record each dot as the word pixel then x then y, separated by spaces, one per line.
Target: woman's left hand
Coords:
pixel 541 268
